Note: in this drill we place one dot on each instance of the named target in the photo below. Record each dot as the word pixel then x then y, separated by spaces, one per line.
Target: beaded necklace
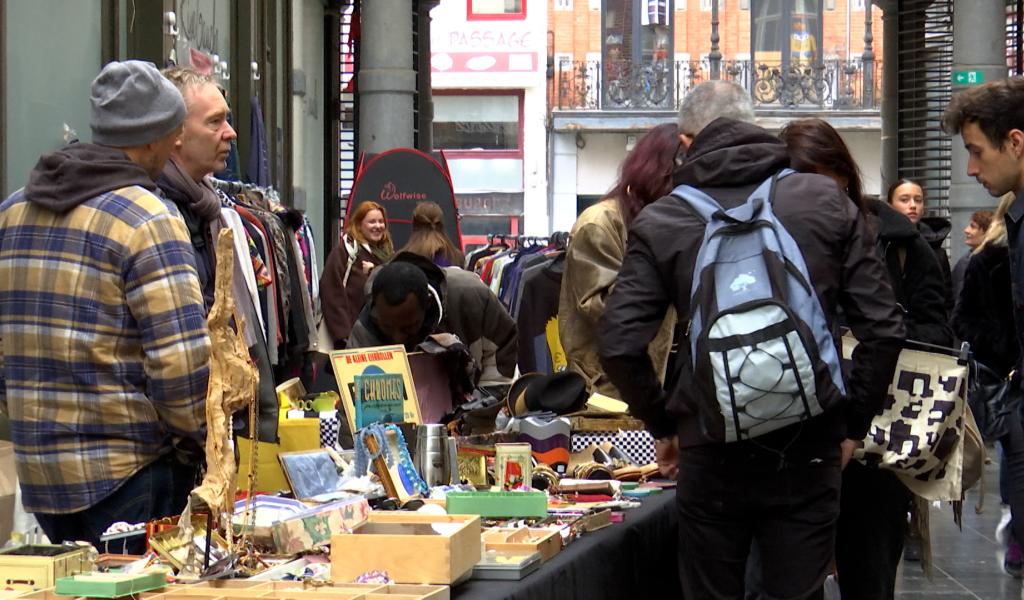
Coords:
pixel 411 479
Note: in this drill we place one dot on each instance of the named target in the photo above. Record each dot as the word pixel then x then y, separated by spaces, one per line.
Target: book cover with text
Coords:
pixel 379 369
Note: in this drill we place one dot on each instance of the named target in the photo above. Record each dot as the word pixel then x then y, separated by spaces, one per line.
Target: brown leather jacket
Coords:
pixel 728 160
pixel 592 262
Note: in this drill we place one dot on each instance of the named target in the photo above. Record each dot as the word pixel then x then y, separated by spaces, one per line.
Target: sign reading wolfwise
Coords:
pixel 968 77
pixel 400 179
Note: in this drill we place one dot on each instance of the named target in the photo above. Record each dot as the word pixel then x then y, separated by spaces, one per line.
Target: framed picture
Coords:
pixel 310 473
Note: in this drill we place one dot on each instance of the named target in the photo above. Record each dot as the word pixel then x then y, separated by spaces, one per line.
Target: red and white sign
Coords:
pixel 459 46
pixel 483 62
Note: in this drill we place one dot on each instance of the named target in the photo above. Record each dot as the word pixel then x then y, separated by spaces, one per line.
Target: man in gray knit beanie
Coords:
pixel 121 350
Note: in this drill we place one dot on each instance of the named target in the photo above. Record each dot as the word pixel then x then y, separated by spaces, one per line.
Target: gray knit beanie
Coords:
pixel 133 104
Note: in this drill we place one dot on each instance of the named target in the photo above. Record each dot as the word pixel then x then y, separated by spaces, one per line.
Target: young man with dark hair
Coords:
pixel 990 119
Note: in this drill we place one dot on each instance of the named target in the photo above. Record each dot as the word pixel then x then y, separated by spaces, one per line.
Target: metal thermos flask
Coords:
pixel 435 455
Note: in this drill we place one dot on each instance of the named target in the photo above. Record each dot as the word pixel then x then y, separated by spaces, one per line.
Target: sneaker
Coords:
pixel 1003 528
pixel 1013 561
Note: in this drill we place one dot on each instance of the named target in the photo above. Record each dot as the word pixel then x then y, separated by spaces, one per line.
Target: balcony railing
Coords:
pixel 833 84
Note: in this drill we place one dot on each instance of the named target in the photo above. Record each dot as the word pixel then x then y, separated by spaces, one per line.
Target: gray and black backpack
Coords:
pixel 760 346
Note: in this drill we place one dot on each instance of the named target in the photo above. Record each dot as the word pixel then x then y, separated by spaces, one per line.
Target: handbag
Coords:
pixel 920 432
pixel 994 399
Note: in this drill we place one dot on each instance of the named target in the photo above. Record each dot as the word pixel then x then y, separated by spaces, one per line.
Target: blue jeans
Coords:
pixel 160 489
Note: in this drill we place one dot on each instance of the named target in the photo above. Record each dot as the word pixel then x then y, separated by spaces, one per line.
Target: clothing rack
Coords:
pixel 559 239
pixel 233 187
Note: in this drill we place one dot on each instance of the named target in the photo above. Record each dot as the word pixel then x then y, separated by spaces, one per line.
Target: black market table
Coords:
pixel 632 559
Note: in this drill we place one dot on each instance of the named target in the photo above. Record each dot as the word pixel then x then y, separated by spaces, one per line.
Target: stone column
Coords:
pixel 890 83
pixel 426 103
pixel 387 80
pixel 979 52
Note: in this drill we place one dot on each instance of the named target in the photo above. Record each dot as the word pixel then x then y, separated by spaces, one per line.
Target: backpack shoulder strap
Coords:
pixel 703 205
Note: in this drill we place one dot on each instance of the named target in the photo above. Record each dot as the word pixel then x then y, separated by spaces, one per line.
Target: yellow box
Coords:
pixel 25 568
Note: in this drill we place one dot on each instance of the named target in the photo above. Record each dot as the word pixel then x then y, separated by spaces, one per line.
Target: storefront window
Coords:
pixel 477 122
pixel 786 31
pixel 636 46
pixel 479 10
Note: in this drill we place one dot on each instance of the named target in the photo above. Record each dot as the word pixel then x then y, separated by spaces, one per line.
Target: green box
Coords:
pixel 110 585
pixel 498 504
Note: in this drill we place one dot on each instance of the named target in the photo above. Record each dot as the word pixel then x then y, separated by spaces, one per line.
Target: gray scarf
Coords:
pixel 202 199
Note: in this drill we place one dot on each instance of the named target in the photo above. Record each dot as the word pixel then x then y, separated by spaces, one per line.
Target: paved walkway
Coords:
pixel 966 563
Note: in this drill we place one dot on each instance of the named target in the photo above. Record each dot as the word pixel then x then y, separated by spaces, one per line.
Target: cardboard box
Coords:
pixel 411 547
pixel 316 526
pixel 548 542
pixel 295 590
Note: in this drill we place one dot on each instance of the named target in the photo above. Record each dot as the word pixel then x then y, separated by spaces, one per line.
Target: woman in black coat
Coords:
pixel 915 275
pixel 984 318
pixel 874 503
pixel 907 197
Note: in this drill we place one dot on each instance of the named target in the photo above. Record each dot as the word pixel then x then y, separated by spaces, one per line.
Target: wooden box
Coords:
pixel 410 547
pixel 247 589
pixel 523 539
pixel 37 567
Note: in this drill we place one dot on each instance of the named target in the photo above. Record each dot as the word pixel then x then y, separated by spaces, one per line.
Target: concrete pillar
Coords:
pixel 890 82
pixel 979 44
pixel 387 80
pixel 426 103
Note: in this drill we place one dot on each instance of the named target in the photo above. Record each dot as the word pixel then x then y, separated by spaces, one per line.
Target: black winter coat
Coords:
pixel 728 160
pixel 935 230
pixel 915 275
pixel 984 315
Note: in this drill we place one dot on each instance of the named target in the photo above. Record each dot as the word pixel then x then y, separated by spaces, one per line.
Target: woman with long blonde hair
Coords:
pixel 365 244
pixel 984 318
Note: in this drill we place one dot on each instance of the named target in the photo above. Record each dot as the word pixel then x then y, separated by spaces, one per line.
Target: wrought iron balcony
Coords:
pixel 833 84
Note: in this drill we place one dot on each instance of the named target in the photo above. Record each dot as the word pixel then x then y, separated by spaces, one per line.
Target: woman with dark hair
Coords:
pixel 816 147
pixel 907 197
pixel 365 244
pixel 873 503
pixel 596 248
pixel 428 238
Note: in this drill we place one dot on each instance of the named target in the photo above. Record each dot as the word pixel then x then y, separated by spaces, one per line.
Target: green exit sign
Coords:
pixel 971 77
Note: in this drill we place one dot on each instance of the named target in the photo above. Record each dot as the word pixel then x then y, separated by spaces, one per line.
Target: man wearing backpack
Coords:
pixel 763 416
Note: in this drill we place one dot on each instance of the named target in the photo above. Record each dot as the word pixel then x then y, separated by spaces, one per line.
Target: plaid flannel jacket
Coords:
pixel 103 343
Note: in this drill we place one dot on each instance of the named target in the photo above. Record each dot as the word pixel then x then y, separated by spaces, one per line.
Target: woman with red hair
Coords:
pixel 597 245
pixel 365 245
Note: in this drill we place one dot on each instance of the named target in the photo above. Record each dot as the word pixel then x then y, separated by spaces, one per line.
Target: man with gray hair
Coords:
pixel 103 346
pixel 779 490
pixel 202 150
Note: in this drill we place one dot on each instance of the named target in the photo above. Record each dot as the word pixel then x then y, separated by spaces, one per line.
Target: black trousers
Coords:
pixel 732 495
pixel 872 528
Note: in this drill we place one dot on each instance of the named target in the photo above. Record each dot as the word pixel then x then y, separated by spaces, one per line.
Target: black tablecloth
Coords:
pixel 632 559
